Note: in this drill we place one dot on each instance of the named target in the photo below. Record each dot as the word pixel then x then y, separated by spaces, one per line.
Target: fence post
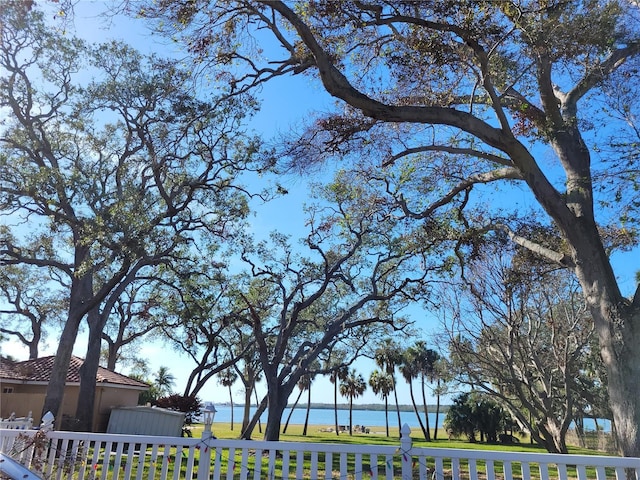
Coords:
pixel 405 450
pixel 204 461
pixel 40 445
pixel 47 421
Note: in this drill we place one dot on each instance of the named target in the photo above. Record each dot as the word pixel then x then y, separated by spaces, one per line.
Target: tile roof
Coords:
pixel 38 370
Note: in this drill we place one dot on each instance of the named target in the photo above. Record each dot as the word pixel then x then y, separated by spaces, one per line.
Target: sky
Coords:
pixel 286 102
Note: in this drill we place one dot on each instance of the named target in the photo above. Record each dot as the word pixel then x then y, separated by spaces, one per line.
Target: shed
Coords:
pixel 143 420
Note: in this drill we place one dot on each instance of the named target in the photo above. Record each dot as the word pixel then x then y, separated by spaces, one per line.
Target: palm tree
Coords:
pixel 310 377
pixel 426 361
pixel 164 382
pixel 439 367
pixel 410 370
pixel 387 356
pixel 338 372
pixel 227 378
pixel 353 386
pixel 303 384
pixel 382 384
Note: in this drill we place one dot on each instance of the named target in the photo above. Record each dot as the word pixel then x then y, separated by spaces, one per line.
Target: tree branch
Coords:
pixel 339 86
pixel 487 177
pixel 597 74
pixel 448 149
pixel 560 258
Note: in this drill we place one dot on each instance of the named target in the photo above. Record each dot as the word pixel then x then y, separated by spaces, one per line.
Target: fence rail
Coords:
pixel 18 423
pixel 72 455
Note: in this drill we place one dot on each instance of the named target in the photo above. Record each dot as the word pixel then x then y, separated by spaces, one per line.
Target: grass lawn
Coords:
pixel 318 434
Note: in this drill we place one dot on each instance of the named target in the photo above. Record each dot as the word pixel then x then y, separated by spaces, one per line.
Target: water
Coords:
pixel 366 418
pixel 325 417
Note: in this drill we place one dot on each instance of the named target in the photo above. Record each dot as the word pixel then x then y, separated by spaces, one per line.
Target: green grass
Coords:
pixel 315 434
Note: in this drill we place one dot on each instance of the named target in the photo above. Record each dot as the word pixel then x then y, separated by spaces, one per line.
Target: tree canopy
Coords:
pixel 457 123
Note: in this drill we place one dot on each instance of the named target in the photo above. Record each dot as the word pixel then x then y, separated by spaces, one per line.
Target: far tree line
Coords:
pixel 126 196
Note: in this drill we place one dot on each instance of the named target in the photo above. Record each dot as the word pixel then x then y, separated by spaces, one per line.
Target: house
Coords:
pixel 23 386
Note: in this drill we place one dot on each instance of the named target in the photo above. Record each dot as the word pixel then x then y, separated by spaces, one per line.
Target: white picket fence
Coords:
pixel 78 456
pixel 19 423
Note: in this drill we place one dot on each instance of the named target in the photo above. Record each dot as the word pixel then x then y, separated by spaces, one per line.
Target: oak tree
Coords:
pixel 110 166
pixel 360 270
pixel 522 334
pixel 32 308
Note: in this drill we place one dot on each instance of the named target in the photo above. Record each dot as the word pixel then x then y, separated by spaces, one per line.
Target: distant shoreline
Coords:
pixel 359 406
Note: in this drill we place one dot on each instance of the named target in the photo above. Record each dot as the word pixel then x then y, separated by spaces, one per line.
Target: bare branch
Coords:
pixel 486 177
pixel 598 73
pixel 560 258
pixel 447 149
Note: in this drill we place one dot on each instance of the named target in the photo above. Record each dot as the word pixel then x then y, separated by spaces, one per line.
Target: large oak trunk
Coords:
pixel 81 292
pixel 619 342
pixel 88 374
pixel 277 405
pixel 617 322
pixel 278 397
pixel 57 379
